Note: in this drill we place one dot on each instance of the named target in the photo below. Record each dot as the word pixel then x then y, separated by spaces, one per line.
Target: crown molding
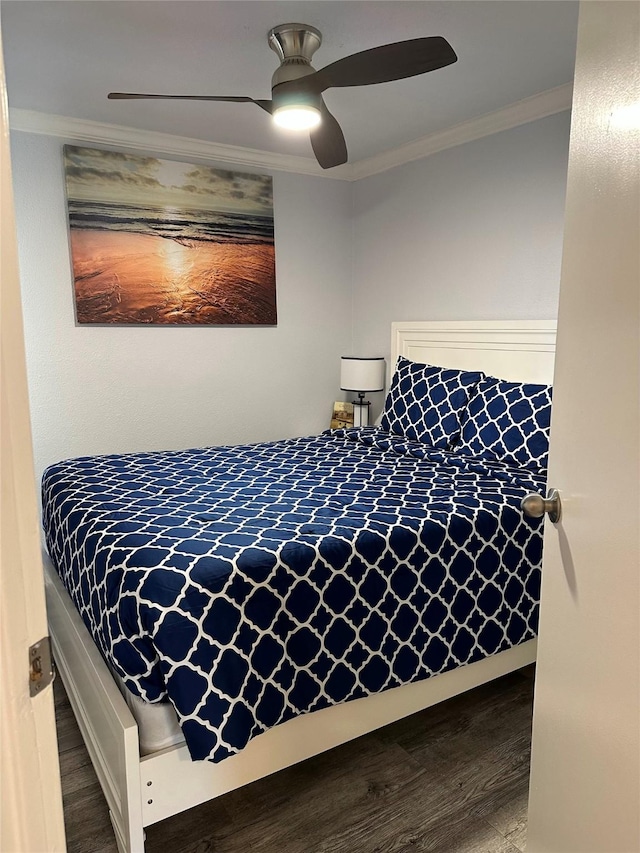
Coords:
pixel 83 131
pixel 545 104
pixel 100 133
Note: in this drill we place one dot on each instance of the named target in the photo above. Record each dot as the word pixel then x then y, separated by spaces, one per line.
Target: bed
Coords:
pixel 143 789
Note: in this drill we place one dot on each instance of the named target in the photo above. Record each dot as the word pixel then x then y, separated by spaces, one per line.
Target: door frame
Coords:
pixel 31 801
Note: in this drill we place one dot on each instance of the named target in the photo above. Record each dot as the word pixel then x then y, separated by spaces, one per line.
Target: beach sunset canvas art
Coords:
pixel 160 242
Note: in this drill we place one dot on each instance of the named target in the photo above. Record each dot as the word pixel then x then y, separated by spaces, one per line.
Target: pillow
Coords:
pixel 508 421
pixel 425 403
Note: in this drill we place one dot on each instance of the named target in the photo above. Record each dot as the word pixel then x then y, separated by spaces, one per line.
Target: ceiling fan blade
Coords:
pixel 327 141
pixel 382 64
pixel 123 96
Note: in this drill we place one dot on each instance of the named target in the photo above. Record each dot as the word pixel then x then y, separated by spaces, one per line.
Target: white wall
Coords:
pixel 472 232
pixel 115 389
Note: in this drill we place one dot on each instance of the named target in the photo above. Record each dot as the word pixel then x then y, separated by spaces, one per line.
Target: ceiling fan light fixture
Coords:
pixel 297 117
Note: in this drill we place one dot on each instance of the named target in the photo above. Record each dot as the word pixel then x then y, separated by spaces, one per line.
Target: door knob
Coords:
pixel 535 506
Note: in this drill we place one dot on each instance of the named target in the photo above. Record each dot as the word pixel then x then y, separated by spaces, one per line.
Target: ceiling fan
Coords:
pixel 296 87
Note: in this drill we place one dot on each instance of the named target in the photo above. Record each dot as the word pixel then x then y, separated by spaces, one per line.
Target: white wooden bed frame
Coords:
pixel 141 791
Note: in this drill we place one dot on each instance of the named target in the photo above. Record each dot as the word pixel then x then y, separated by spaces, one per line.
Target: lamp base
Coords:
pixel 361 412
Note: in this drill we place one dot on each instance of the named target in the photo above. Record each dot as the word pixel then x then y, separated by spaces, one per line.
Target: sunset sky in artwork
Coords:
pixel 110 176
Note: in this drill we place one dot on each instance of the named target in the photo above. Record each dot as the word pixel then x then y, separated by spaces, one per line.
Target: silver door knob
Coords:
pixel 535 506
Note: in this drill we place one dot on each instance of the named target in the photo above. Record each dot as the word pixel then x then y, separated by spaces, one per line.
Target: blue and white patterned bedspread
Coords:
pixel 252 584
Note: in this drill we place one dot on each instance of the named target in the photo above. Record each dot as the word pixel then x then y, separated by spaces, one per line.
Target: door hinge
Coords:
pixel 41 672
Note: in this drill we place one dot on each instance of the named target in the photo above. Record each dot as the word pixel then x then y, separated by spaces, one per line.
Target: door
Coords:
pixel 585 793
pixel 31 805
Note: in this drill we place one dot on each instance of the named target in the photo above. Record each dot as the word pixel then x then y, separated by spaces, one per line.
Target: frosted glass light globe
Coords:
pixel 300 117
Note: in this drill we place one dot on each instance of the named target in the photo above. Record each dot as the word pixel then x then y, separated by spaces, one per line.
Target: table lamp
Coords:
pixel 361 375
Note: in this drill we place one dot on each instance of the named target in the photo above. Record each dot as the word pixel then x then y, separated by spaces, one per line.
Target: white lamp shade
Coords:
pixel 361 374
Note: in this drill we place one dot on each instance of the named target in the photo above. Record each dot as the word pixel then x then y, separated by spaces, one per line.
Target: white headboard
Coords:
pixel 516 350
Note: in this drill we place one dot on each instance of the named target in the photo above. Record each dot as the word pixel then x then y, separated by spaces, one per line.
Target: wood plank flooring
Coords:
pixel 451 779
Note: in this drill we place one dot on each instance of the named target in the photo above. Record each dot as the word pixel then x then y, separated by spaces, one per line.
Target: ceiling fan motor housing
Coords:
pixel 294 44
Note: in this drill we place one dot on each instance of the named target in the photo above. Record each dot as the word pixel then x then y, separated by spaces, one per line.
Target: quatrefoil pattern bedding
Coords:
pixel 425 403
pixel 256 583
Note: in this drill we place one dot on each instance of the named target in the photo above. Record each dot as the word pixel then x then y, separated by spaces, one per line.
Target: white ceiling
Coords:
pixel 63 56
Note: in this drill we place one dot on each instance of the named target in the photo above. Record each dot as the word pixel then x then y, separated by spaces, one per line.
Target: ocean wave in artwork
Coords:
pixel 175 223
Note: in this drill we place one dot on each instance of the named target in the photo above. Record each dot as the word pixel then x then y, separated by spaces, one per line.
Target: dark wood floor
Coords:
pixel 451 779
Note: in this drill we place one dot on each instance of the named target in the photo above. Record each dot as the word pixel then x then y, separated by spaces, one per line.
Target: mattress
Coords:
pixel 252 584
pixel 158 726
